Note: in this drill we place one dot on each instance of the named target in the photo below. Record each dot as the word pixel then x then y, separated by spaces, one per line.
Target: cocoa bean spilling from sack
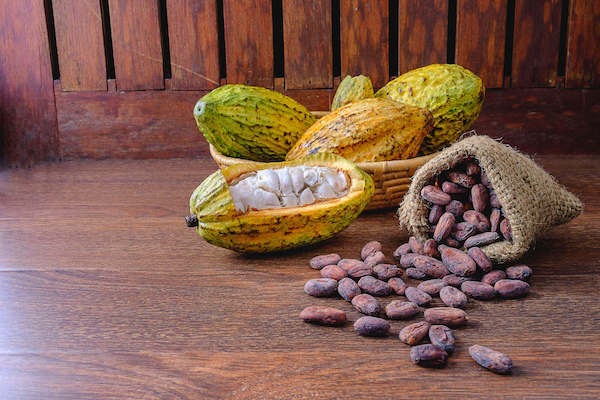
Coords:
pixel 348 289
pixel 385 271
pixel 511 288
pixel 478 290
pixel 491 359
pixel 432 286
pixel 323 315
pixel 521 272
pixel 370 249
pixel 397 285
pixel 493 276
pixel 333 272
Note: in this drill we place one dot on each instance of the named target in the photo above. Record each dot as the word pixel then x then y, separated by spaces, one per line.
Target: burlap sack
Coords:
pixel 532 199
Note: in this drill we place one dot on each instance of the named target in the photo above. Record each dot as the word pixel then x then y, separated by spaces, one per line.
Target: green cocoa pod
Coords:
pixel 352 89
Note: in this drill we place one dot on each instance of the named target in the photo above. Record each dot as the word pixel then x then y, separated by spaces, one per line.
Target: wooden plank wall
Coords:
pixel 127 72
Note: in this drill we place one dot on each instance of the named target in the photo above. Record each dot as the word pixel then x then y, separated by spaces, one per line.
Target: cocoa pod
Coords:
pixel 481 222
pixel 414 333
pixel 370 248
pixel 521 272
pixel 457 261
pixel 417 296
pixel 506 230
pixel 366 304
pixel 432 286
pixel 415 273
pixel 448 316
pixel 455 280
pixel 490 359
pixel 397 285
pixel 401 250
pixel 398 309
pixel 407 260
pixel 442 337
pixel 319 262
pixel 493 276
pixel 333 272
pixel 479 197
pixel 322 287
pixel 415 245
pixel 480 258
pixel 478 290
pixel 472 169
pixel 360 270
pixel 374 286
pixel 372 326
pixel 494 202
pixel 323 315
pixel 348 289
pixel 376 258
pixel 430 248
pixel 434 195
pixel 452 297
pixel 495 219
pixel 482 239
pixel 435 213
pixel 453 188
pixel 348 263
pixel 461 179
pixel 429 356
pixel 455 208
pixel 443 227
pixel 463 230
pixel 430 266
pixel 484 180
pixel 385 271
pixel 511 288
pixel 452 243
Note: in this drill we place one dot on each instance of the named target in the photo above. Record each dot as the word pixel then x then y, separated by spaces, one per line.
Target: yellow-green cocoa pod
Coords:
pixel 257 208
pixel 251 122
pixel 453 94
pixel 367 130
pixel 352 89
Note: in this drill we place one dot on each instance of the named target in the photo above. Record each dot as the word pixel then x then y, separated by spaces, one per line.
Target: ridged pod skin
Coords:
pixel 453 94
pixel 251 122
pixel 352 89
pixel 280 228
pixel 367 130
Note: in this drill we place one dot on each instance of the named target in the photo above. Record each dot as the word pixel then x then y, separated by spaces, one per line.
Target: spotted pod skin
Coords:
pixel 352 89
pixel 367 130
pixel 280 228
pixel 453 94
pixel 251 122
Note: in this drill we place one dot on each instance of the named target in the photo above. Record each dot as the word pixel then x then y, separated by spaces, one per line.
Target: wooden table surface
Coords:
pixel 105 294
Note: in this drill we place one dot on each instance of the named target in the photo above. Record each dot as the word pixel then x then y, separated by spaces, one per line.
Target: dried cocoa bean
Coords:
pixel 481 222
pixel 385 271
pixel 482 239
pixel 472 169
pixel 455 280
pixel 521 272
pixel 366 304
pixel 415 245
pixel 333 272
pixel 358 271
pixel 463 230
pixel 435 213
pixel 448 316
pixel 417 296
pixel 453 188
pixel 480 258
pixel 414 333
pixel 494 202
pixel 479 197
pixel 484 179
pixel 444 227
pixel 457 262
pixel 442 337
pixel 369 249
pixel 319 262
pixel 430 266
pixel 430 248
pixel 478 290
pixel 415 273
pixel 434 195
pixel 432 286
pixel 322 287
pixel 493 360
pixel 506 230
pixel 429 356
pixel 493 276
pixel 401 250
pixel 374 286
pixel 461 179
pixel 397 285
pixel 432 229
pixel 455 208
pixel 495 219
pixel 348 263
pixel 511 288
pixel 452 297
pixel 348 289
pixel 372 326
pixel 323 315
pixel 452 243
pixel 398 309
pixel 407 260
pixel 375 258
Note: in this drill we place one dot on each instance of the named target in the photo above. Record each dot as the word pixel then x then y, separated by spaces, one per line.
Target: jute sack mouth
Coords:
pixel 531 199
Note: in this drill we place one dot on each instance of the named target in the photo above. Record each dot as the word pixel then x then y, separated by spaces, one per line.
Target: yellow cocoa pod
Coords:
pixel 352 89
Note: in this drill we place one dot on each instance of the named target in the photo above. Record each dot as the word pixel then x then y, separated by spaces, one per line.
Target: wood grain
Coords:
pixel 480 37
pixel 249 42
pixel 364 39
pixel 422 33
pixel 583 55
pixel 536 43
pixel 80 44
pixel 193 44
pixel 308 53
pixel 136 44
pixel 27 113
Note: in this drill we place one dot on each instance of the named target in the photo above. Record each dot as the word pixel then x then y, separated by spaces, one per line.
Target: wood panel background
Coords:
pixel 126 71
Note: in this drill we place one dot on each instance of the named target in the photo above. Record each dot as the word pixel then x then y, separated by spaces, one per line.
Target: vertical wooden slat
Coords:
pixel 136 44
pixel 307 50
pixel 28 129
pixel 583 49
pixel 193 44
pixel 480 37
pixel 364 39
pixel 422 33
pixel 536 43
pixel 80 44
pixel 249 42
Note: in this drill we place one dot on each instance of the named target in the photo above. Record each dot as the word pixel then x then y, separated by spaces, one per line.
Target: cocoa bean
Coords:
pixel 481 222
pixel 323 315
pixel 495 219
pixel 480 258
pixel 432 286
pixel 415 245
pixel 429 356
pixel 461 179
pixel 506 230
pixel 430 266
pixel 444 227
pixel 463 230
pixel 448 316
pixel 348 289
pixel 490 359
pixel 432 229
pixel 453 188
pixel 414 333
pixel 374 286
pixel 319 262
pixel 398 309
pixel 455 280
pixel 401 250
pixel 322 287
pixel 493 276
pixel 372 326
pixel 375 258
pixel 415 273
pixel 484 179
pixel 366 304
pixel 479 197
pixel 521 272
pixel 494 202
pixel 333 272
pixel 397 285
pixel 478 290
pixel 511 288
pixel 442 337
pixel 407 260
pixel 369 249
pixel 348 263
pixel 452 297
pixel 434 195
pixel 430 248
pixel 385 271
pixel 482 239
pixel 457 262
pixel 358 271
pixel 452 243
pixel 435 213
pixel 472 169
pixel 455 208
pixel 417 296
